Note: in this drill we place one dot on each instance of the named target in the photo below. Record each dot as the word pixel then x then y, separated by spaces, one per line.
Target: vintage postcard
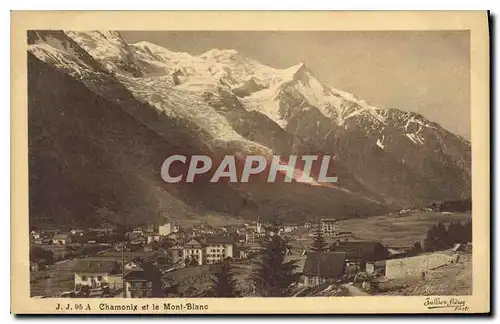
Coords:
pixel 250 162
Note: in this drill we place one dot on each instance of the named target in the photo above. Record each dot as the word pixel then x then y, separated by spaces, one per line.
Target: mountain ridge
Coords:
pixel 225 103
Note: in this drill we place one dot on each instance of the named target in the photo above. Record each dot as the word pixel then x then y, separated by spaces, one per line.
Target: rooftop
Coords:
pixel 193 244
pixel 324 264
pixel 360 249
pixel 145 272
pixel 97 266
pixel 219 240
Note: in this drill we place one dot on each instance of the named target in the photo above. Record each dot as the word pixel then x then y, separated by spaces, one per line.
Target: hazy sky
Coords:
pixel 426 72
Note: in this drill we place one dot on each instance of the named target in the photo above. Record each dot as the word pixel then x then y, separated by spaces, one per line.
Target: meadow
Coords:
pixel 398 230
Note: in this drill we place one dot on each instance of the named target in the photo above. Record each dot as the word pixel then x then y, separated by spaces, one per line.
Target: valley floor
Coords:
pixel 398 230
pixel 393 230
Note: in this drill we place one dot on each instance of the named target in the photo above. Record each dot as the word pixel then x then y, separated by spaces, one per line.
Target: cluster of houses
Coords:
pixel 140 271
pixel 343 260
pixel 61 237
pixel 99 278
pixel 248 233
pixel 139 262
pixel 346 259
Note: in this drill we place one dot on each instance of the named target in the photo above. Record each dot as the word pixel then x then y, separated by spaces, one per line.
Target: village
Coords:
pixel 167 260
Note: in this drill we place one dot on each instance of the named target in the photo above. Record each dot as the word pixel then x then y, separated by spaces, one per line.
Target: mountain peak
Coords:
pixel 297 71
pixel 297 67
pixel 300 66
pixel 146 44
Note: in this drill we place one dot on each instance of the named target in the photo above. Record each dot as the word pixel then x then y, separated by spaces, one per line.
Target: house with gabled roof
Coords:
pixel 94 273
pixel 321 267
pixel 361 251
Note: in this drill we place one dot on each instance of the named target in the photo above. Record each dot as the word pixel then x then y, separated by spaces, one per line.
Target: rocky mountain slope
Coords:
pixel 104 114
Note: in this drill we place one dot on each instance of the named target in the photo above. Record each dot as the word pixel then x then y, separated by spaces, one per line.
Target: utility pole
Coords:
pixel 122 245
pixel 318 267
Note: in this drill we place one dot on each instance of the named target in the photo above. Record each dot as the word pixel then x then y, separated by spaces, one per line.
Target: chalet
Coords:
pixel 61 239
pixel 322 267
pixel 361 251
pixel 94 273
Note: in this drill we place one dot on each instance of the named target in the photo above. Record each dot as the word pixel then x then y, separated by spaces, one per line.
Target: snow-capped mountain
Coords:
pixel 222 102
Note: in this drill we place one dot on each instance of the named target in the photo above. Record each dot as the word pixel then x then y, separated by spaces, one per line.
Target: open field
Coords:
pixel 393 230
pixel 397 230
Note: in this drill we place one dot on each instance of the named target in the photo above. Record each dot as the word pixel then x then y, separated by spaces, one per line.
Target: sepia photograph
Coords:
pixel 198 164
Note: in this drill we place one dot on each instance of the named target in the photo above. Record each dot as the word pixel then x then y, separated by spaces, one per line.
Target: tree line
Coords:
pixel 440 236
